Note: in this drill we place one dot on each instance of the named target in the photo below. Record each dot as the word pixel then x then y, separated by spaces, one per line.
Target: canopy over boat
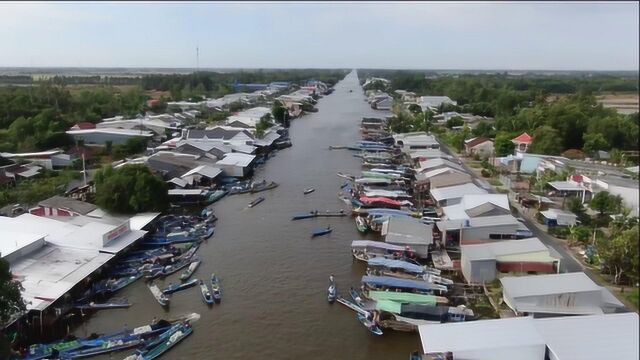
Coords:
pixel 396 264
pixel 401 283
pixel 373 181
pixel 386 193
pixel 376 211
pixel 402 298
pixel 376 245
pixel 383 200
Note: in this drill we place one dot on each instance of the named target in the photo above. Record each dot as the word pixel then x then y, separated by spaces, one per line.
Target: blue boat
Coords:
pixel 308 215
pixel 113 304
pixel 396 264
pixel 370 325
pixel 320 232
pixel 172 338
pixel 177 287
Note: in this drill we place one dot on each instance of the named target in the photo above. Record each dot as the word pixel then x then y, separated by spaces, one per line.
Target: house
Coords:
pixel 437 163
pixel 482 262
pixel 416 140
pixel 477 205
pixel 236 165
pixel 482 228
pixel 451 195
pixel 557 295
pixel 433 103
pixel 522 142
pixel 589 337
pixel 101 136
pixel 442 177
pixel 383 103
pixel 408 232
pixel 49 159
pixel 212 150
pixel 569 188
pixel 176 165
pixel 83 126
pixel 480 146
pixel 12 173
pixel 62 206
pixel 558 217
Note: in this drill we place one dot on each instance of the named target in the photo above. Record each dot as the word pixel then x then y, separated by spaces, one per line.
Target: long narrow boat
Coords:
pixel 308 215
pixel 113 304
pixel 118 344
pixel 320 232
pixel 178 287
pixel 356 296
pixel 263 186
pixel 217 195
pixel 161 298
pixel 308 190
pixel 190 270
pixel 216 292
pixel 256 202
pixel 407 298
pixel 386 282
pixel 175 335
pixel 206 294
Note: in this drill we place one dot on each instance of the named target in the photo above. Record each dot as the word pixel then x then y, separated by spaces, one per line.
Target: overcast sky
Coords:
pixel 511 36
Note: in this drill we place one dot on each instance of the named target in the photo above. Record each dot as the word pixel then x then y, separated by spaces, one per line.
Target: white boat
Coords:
pixel 190 270
pixel 158 295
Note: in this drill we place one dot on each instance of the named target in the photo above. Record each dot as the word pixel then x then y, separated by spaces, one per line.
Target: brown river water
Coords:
pixel 274 277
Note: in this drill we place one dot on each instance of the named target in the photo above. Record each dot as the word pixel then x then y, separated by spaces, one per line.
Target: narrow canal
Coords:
pixel 274 276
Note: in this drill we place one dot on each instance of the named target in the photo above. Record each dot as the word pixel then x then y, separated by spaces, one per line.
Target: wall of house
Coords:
pixel 48 211
pixel 101 138
pixel 630 197
pixel 477 271
pixel 484 150
pixel 525 267
pixel 483 232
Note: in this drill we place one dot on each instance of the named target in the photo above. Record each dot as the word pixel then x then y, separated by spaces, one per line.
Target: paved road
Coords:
pixel 558 248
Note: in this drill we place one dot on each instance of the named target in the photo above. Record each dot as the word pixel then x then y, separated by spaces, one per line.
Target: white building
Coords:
pixel 590 337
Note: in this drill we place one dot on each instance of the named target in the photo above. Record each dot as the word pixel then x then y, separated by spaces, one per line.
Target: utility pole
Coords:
pixel 197 58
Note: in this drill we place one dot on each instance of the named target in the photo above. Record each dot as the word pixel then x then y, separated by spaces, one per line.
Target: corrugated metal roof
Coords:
pixel 483 221
pixel 518 286
pixel 457 191
pixel 493 250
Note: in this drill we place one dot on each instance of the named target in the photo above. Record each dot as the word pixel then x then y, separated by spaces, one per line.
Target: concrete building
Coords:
pixel 480 146
pixel 482 262
pixel 589 337
pixel 236 165
pixel 557 295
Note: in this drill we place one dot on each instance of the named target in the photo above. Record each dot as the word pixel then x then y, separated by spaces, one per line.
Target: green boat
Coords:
pixel 361 224
pixel 42 351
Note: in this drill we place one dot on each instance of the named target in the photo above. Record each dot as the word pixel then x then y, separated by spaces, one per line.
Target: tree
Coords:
pixel 484 129
pixel 620 255
pixel 546 140
pixel 130 189
pixel 279 112
pixel 503 145
pixel 455 121
pixel 604 202
pixel 594 142
pixel 11 303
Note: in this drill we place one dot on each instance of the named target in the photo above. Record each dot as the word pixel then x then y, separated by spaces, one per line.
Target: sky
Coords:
pixel 410 35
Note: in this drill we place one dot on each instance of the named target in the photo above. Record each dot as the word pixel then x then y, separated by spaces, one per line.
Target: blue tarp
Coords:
pixel 396 264
pixel 401 283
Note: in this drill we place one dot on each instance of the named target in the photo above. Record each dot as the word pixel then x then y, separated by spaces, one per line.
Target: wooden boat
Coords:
pixel 355 296
pixel 215 288
pixel 320 232
pixel 309 190
pixel 256 202
pixel 217 195
pixel 171 339
pixel 308 215
pixel 106 347
pixel 332 293
pixel 263 186
pixel 370 325
pixel 361 224
pixel 190 270
pixel 44 351
pixel 206 294
pixel 113 304
pixel 158 295
pixel 178 287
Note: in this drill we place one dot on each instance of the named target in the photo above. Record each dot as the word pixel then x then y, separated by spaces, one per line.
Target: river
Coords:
pixel 274 276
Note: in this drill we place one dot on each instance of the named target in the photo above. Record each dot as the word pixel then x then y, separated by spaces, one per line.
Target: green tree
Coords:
pixel 607 203
pixel 620 255
pixel 11 303
pixel 485 129
pixel 546 140
pixel 594 142
pixel 130 189
pixel 455 121
pixel 503 145
pixel 279 112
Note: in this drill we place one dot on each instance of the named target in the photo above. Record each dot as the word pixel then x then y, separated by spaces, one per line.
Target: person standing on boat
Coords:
pixel 154 320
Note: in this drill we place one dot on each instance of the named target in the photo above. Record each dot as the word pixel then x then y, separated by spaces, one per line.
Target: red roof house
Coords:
pixel 522 142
